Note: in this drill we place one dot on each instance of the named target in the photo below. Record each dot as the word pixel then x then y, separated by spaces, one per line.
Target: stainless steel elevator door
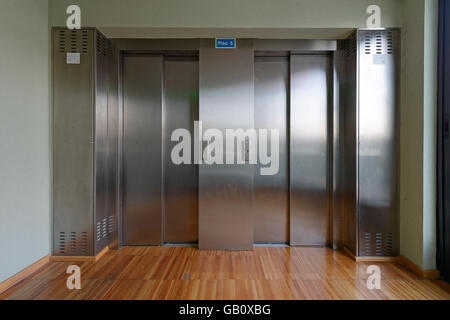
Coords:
pixel 142 174
pixel 270 198
pixel 180 103
pixel 309 218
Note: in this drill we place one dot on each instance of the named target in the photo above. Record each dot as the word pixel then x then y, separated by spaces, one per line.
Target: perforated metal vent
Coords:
pixel 348 47
pixel 378 42
pixel 73 41
pixel 84 243
pixel 111 224
pixel 72 243
pixel 388 244
pixel 367 244
pixel 377 244
pixel 104 228
pixel 352 45
pixel 101 229
pixel 62 243
pixel 104 47
pixel 98 231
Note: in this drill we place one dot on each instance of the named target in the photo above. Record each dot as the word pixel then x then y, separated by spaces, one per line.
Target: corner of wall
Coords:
pixel 430 134
pixel 418 133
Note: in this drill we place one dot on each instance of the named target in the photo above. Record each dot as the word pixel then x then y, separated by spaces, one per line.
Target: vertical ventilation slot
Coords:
pixel 367 244
pixel 98 231
pixel 352 45
pixel 378 244
pixel 62 243
pixel 368 43
pixel 104 228
pixel 73 243
pixel 104 47
pixel 111 224
pixel 84 243
pixel 390 43
pixel 388 244
pixel 62 41
pixel 379 43
pixel 84 45
pixel 348 47
pixel 73 41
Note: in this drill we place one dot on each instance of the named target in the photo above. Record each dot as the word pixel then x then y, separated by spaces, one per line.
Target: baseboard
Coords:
pixel 370 259
pixel 80 258
pixel 101 253
pixel 8 283
pixel 72 258
pixel 423 274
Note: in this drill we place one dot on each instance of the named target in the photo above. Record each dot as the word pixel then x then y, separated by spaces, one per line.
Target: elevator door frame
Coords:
pixel 186 47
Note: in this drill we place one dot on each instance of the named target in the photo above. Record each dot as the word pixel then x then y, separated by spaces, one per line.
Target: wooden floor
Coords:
pixel 187 273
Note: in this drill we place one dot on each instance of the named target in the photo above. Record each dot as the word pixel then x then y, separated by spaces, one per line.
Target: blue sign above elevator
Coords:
pixel 225 43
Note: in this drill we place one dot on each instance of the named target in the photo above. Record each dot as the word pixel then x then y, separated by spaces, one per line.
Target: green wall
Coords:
pixel 418 133
pixel 227 13
pixel 24 135
pixel 430 134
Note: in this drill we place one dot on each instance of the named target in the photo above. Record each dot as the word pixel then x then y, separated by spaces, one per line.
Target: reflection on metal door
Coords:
pixel 142 174
pixel 270 199
pixel 309 220
pixel 181 180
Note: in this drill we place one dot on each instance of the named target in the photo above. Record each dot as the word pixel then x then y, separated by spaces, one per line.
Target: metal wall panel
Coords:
pixel 226 102
pixel 142 171
pixel 337 156
pixel 309 216
pixel 81 143
pixel 102 155
pixel 443 143
pixel 113 152
pixel 73 143
pixel 271 193
pixel 379 52
pixel 348 99
pixel 180 105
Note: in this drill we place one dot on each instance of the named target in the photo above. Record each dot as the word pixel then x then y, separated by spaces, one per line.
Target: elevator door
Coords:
pixel 270 199
pixel 160 197
pixel 142 174
pixel 180 110
pixel 309 218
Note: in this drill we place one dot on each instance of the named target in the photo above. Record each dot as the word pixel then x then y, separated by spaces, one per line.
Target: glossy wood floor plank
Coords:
pixel 188 273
